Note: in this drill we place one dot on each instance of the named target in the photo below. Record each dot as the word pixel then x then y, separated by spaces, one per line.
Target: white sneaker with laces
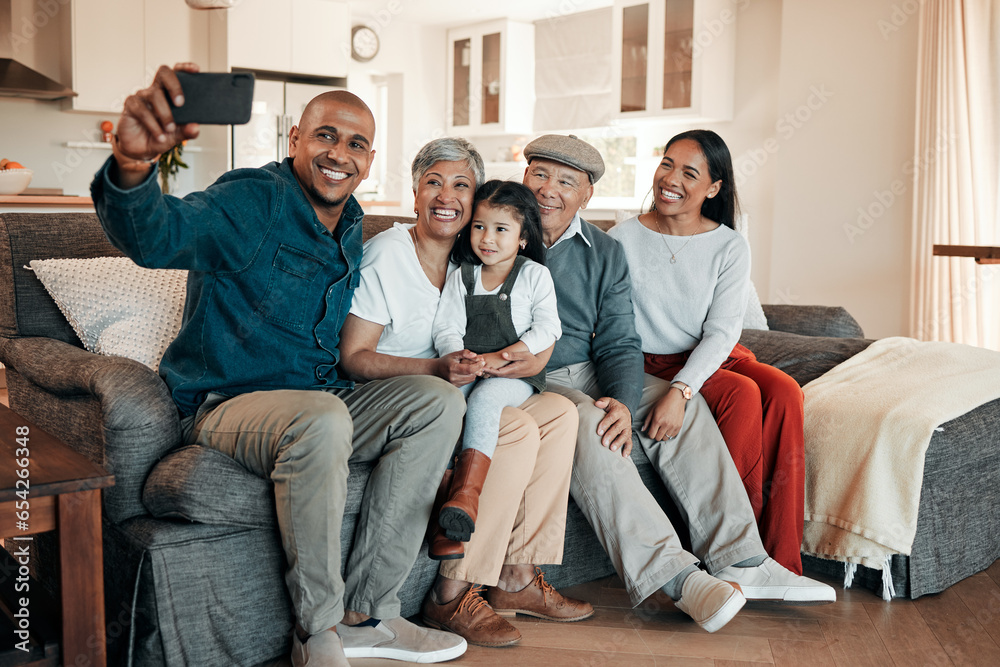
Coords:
pixel 710 602
pixel 398 639
pixel 771 581
pixel 320 650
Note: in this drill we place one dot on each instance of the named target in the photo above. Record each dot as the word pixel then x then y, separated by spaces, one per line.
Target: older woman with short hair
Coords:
pixel 522 512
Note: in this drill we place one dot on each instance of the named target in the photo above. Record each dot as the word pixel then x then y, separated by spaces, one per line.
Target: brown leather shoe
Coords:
pixel 458 515
pixel 540 600
pixel 471 617
pixel 440 547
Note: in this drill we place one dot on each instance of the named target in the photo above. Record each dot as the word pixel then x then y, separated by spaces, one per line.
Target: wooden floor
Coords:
pixel 960 626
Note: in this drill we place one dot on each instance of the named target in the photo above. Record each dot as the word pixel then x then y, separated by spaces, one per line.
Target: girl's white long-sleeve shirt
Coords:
pixel 532 308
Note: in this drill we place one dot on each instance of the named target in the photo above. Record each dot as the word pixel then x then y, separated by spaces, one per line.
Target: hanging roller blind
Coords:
pixel 573 71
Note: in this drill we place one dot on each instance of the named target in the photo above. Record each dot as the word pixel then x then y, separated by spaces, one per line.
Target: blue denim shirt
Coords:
pixel 268 285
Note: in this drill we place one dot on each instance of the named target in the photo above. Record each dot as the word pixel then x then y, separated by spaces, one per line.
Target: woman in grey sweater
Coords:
pixel 691 280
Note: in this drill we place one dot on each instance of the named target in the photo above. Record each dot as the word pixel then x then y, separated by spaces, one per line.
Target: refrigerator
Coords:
pixel 277 106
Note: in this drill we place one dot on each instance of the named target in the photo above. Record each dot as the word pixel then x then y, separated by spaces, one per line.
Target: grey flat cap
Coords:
pixel 569 150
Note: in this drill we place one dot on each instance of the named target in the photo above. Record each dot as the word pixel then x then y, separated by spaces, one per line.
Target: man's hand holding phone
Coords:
pixel 147 128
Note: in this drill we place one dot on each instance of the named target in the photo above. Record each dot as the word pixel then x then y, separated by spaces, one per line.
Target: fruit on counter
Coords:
pixel 10 164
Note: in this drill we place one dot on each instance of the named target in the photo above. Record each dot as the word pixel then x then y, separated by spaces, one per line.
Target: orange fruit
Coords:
pixel 106 126
pixel 14 165
pixel 3 163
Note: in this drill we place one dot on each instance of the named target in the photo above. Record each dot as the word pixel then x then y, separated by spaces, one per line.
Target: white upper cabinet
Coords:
pixel 491 78
pixel 146 34
pixel 675 58
pixel 305 37
pixel 106 70
pixel 119 44
pixel 174 33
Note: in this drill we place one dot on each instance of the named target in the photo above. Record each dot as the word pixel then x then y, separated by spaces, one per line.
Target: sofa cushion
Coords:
pixel 26 309
pixel 805 358
pixel 116 307
pixel 832 321
pixel 754 317
pixel 203 485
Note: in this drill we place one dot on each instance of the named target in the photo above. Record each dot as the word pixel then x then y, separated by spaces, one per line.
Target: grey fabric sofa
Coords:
pixel 193 562
pixel 958 525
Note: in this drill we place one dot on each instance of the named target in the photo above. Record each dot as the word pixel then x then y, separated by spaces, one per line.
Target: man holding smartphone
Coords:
pixel 273 256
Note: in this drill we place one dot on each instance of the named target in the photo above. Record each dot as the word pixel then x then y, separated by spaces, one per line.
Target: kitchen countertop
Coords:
pixel 45 200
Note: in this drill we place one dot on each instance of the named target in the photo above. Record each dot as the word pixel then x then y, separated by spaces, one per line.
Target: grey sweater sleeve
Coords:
pixel 616 348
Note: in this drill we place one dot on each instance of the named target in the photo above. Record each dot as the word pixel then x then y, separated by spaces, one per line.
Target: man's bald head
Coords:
pixel 319 106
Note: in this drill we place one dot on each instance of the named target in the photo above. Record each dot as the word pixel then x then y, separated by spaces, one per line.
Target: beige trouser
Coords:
pixel 522 509
pixel 302 441
pixel 696 469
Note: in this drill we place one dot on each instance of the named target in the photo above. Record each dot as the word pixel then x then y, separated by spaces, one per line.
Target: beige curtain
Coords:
pixel 957 172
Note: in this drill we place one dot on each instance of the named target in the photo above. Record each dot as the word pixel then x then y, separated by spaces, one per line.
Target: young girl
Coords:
pixel 690 283
pixel 500 300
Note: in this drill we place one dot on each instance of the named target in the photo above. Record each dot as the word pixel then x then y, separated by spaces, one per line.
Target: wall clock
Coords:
pixel 364 43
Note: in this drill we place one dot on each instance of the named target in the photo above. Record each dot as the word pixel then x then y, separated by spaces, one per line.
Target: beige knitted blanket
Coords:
pixel 867 426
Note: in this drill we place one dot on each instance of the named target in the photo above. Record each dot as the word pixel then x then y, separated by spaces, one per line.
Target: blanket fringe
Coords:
pixel 888 590
pixel 849 570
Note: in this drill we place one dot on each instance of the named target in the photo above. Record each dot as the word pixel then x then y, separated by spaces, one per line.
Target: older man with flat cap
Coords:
pixel 598 365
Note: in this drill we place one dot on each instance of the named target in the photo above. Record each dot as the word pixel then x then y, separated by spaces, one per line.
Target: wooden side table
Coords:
pixel 55 488
pixel 983 254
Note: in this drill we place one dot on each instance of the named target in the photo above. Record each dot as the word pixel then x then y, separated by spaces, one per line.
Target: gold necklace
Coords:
pixel 663 237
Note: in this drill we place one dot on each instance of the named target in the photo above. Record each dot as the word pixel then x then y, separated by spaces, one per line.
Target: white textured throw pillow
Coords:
pixel 116 307
pixel 754 317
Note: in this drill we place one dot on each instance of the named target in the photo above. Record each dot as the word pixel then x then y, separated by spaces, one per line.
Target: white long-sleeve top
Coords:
pixel 532 309
pixel 694 304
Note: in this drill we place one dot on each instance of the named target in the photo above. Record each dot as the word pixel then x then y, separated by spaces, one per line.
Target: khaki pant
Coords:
pixel 522 509
pixel 695 467
pixel 302 441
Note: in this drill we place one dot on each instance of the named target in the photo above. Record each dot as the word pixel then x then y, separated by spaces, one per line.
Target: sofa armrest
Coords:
pixel 827 321
pixel 113 410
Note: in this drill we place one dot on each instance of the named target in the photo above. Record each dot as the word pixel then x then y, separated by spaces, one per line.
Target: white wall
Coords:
pixel 840 233
pixel 416 56
pixel 758 44
pixel 823 126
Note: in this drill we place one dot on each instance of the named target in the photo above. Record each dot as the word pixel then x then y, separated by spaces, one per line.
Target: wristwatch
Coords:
pixel 684 389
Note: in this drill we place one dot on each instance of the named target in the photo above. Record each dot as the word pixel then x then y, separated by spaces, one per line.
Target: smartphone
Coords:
pixel 215 98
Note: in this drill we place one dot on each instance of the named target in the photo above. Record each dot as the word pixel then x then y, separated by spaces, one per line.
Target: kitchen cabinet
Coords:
pixel 674 59
pixel 103 76
pixel 302 37
pixel 491 78
pixel 117 46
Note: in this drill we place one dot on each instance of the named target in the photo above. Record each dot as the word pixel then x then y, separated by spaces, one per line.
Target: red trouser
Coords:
pixel 759 412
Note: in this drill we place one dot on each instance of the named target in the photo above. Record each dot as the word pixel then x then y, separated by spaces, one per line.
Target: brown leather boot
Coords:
pixel 440 547
pixel 458 516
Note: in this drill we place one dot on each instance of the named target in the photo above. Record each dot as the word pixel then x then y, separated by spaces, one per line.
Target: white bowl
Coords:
pixel 14 181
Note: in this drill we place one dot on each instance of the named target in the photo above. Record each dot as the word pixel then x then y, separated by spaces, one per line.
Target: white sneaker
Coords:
pixel 771 581
pixel 320 650
pixel 398 639
pixel 710 602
